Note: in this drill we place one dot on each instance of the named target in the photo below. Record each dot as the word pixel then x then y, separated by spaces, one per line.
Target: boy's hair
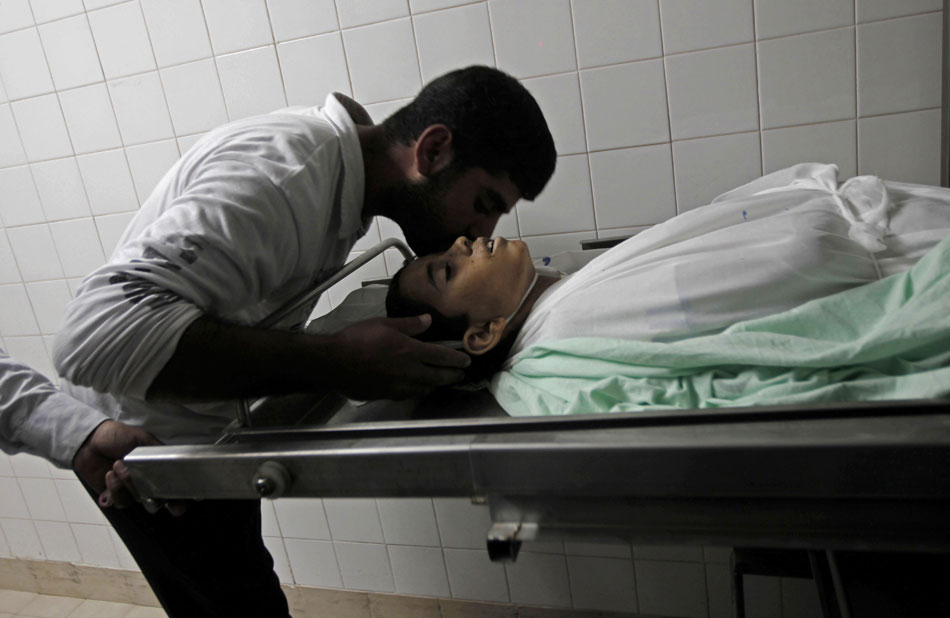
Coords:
pixel 496 125
pixel 442 329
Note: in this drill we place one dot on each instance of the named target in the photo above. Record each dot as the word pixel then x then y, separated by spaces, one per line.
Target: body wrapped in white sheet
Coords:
pixel 768 246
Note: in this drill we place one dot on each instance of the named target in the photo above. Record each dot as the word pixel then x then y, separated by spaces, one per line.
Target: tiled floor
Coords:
pixel 23 604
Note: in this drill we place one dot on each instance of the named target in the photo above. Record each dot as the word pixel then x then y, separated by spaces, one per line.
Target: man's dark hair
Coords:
pixel 496 125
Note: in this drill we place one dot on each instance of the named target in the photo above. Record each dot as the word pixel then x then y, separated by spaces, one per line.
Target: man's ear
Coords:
pixel 481 338
pixel 433 149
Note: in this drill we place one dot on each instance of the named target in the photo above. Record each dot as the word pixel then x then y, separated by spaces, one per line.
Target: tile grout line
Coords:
pixel 577 77
pixel 758 90
pixel 669 118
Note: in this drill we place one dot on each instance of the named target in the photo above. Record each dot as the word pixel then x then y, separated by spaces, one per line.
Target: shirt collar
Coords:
pixel 351 220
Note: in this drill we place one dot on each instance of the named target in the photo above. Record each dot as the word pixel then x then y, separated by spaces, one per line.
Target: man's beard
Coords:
pixel 419 209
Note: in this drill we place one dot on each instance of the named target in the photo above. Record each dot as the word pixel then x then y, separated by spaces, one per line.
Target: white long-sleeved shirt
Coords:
pixel 256 212
pixel 37 418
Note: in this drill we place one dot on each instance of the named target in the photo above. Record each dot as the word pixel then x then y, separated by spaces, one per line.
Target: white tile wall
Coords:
pixel 473 576
pixel 110 228
pixel 21 204
pixel 905 145
pixel 419 570
pixel 614 31
pixel 23 66
pixel 9 273
pixel 777 18
pixel 251 82
pixel 29 466
pixel 122 40
pixel 610 93
pixel 35 253
pixel 672 588
pixel 42 128
pixel 313 67
pixel 48 10
pixel 559 97
pixel 807 78
pixel 11 148
pixel 149 162
pixel 453 38
pixel 294 19
pixel 689 25
pixel 177 30
pixel 314 563
pixel 381 77
pixel 95 545
pixel 539 579
pixel 275 546
pixel 77 240
pixel 704 168
pixel 566 205
pixel 656 106
pixel 719 591
pixel 871 10
pixel 409 521
pixel 602 583
pixel 22 538
pixel 13 504
pixel 359 12
pixel 90 119
pixel 354 519
pixel 71 52
pixel 15 14
pixel 58 541
pixel 140 109
pixel 48 299
pixel 830 142
pixel 194 96
pixel 302 518
pixel 59 184
pixel 712 92
pixel 364 566
pixel 108 182
pixel 533 38
pixel 234 26
pixel 41 499
pixel 891 55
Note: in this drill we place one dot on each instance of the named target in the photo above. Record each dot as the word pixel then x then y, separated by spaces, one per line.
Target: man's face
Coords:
pixel 454 203
pixel 481 280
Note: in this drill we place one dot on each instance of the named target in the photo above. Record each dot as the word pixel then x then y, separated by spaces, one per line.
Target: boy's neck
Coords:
pixel 542 284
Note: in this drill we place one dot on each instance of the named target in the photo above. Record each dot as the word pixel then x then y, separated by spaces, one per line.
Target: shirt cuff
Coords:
pixel 58 427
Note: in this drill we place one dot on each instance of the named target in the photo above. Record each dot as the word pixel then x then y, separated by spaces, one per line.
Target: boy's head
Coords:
pixel 471 290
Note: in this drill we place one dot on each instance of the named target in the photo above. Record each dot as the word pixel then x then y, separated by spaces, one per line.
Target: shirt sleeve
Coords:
pixel 37 418
pixel 225 242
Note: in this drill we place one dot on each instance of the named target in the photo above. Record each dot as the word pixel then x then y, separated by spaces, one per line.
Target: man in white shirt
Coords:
pixel 37 418
pixel 256 212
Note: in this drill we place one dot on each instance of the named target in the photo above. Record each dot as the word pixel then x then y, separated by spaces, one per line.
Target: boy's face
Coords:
pixel 482 280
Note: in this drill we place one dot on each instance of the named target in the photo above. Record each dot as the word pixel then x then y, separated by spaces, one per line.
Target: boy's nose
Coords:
pixel 463 245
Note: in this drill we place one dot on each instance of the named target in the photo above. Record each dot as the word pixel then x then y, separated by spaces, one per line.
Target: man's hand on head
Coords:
pixel 98 462
pixel 380 359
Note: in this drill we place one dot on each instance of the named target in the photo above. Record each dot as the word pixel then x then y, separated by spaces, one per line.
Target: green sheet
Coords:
pixel 882 341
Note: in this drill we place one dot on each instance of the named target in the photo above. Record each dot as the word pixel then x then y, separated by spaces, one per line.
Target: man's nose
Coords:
pixel 484 226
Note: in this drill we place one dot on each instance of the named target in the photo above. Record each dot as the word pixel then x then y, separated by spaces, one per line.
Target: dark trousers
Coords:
pixel 211 561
